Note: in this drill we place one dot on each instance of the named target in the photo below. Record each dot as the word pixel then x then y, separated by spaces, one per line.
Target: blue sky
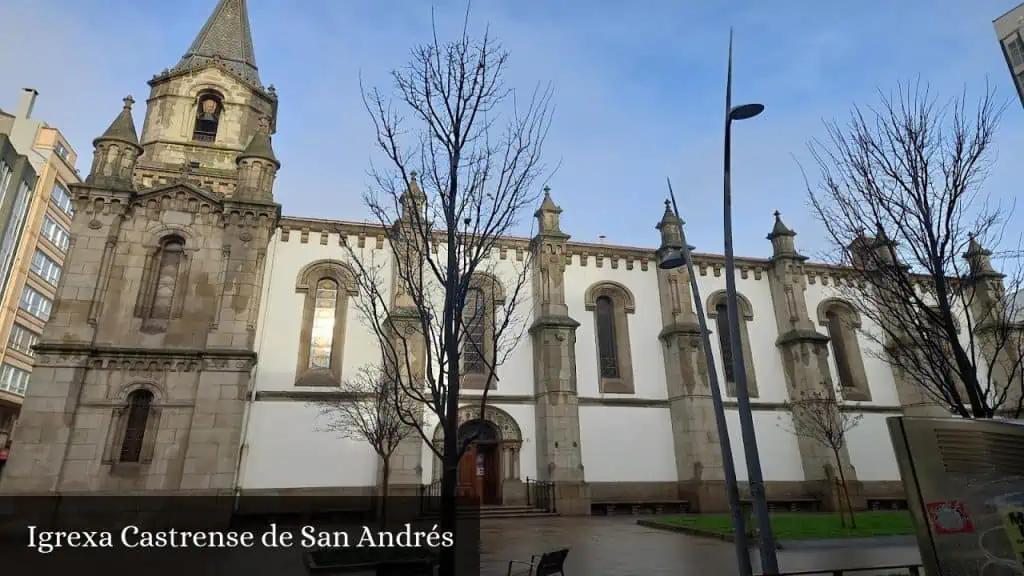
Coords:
pixel 638 90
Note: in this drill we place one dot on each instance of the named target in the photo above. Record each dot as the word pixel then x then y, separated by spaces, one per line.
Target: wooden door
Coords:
pixel 468 483
pixel 489 489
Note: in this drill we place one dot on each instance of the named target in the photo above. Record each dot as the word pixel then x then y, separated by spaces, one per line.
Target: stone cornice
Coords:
pixel 801 336
pixel 553 322
pixel 143 359
pixel 687 329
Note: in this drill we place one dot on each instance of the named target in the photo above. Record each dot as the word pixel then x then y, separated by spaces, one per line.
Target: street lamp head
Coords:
pixel 744 111
pixel 671 259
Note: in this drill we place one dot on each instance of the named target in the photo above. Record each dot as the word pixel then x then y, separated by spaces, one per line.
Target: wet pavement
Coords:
pixel 618 546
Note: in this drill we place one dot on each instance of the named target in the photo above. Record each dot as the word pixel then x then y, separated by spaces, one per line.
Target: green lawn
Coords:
pixel 803 526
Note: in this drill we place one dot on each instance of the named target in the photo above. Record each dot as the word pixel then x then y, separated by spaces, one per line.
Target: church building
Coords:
pixel 180 356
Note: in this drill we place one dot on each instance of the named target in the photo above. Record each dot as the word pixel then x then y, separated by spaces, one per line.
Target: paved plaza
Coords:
pixel 617 546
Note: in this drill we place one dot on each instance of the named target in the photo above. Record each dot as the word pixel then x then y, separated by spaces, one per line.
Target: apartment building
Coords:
pixel 35 217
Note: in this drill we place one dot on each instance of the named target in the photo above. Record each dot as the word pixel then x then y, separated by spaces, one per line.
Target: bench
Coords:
pixel 886 502
pixel 546 564
pixel 610 508
pixel 788 504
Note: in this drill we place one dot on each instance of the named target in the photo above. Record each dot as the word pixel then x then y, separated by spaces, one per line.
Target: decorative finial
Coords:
pixel 777 214
pixel 128 101
pixel 271 89
pixel 547 190
pixel 668 203
pixel 413 175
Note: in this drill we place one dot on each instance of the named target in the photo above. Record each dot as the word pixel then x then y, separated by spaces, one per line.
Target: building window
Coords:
pixel 327 284
pixel 22 339
pixel 1015 49
pixel 208 111
pixel 841 320
pixel 62 199
pixel 718 310
pixel 484 295
pixel 61 150
pixel 58 235
pixel 474 343
pixel 606 346
pixel 13 379
pixel 139 403
pixel 46 267
pixel 35 303
pixel 325 309
pixel 611 303
pixel 167 277
pixel 12 236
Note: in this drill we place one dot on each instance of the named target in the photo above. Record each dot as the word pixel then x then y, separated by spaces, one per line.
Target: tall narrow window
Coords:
pixel 838 336
pixel 725 344
pixel 474 314
pixel 841 321
pixel 139 403
pixel 208 113
pixel 718 309
pixel 324 311
pixel 611 303
pixel 607 346
pixel 167 277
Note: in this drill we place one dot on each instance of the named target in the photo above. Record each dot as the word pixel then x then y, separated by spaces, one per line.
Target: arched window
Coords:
pixel 483 297
pixel 607 351
pixel 167 277
pixel 325 310
pixel 327 284
pixel 139 403
pixel 208 111
pixel 841 320
pixel 474 343
pixel 611 302
pixel 718 310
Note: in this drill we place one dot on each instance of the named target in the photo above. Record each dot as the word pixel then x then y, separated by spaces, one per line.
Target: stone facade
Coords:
pixel 177 358
pixel 161 296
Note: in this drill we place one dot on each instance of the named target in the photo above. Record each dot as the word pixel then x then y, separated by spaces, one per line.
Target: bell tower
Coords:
pixel 208 108
pixel 144 367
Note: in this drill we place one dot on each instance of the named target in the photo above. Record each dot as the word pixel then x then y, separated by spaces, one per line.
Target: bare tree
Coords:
pixel 819 417
pixel 455 184
pixel 901 200
pixel 368 408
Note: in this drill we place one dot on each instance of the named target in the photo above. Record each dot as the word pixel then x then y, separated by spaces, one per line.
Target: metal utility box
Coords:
pixel 965 488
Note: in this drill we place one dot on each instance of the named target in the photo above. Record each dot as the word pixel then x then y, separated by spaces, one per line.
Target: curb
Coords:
pixel 696 532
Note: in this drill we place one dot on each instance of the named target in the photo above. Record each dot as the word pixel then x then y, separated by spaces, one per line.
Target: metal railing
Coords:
pixel 541 495
pixel 430 497
pixel 911 569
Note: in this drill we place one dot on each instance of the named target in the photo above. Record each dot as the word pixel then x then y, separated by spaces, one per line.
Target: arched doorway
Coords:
pixel 489 470
pixel 479 468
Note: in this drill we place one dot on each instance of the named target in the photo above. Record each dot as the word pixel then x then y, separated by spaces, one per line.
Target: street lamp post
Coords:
pixel 676 260
pixel 769 562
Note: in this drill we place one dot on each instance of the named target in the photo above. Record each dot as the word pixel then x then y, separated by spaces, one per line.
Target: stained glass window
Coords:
pixel 725 341
pixel 167 278
pixel 607 345
pixel 321 340
pixel 474 316
pixel 138 415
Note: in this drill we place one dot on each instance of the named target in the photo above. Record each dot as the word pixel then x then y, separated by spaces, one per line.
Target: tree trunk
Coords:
pixel 386 477
pixel 846 492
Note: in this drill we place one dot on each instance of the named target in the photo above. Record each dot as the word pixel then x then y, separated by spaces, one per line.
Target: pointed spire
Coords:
pixel 670 227
pixel 782 240
pixel 260 145
pixel 225 38
pixel 548 215
pixel 123 127
pixel 780 228
pixel 979 259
